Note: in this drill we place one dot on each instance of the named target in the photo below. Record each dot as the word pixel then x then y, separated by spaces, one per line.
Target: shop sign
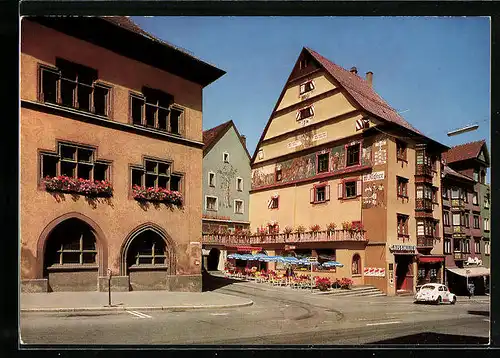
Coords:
pixel 402 248
pixel 289 247
pixel 374 176
pixel 373 271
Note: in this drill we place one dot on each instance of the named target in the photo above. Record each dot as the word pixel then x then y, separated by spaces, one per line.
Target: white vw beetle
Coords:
pixel 436 293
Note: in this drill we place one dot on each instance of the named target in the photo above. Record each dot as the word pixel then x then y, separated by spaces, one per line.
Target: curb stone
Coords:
pixel 150 308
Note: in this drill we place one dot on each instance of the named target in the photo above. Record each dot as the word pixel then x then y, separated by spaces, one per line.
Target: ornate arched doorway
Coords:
pixel 70 258
pixel 147 258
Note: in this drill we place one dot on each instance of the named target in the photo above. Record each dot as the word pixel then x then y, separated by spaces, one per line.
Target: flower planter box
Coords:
pixel 157 195
pixel 86 187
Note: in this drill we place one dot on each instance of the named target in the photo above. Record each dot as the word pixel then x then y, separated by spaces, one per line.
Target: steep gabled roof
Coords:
pixel 360 91
pixel 466 151
pixel 447 171
pixel 213 135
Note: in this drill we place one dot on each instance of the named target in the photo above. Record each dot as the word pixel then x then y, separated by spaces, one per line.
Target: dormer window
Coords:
pixel 305 113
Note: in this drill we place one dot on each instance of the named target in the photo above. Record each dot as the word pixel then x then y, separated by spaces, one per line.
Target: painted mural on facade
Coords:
pixel 305 167
pixel 380 152
pixel 226 174
pixel 373 193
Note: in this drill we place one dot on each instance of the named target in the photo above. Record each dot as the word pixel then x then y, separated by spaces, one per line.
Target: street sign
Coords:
pixel 312 259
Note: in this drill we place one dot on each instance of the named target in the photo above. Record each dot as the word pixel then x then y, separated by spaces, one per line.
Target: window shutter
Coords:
pixel 311 195
pixel 358 188
pixel 302 88
pixel 327 193
pixel 297 116
pixel 311 110
pixel 313 86
pixel 340 191
pixel 269 203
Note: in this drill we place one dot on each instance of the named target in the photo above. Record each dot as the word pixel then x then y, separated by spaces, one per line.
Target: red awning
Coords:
pixel 248 248
pixel 430 259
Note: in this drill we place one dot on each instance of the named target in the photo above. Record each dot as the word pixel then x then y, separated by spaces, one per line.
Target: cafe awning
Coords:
pixel 471 271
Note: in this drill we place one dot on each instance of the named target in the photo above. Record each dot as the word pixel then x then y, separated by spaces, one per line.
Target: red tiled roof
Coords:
pixel 211 134
pixel 463 151
pixel 448 171
pixel 363 92
pixel 126 23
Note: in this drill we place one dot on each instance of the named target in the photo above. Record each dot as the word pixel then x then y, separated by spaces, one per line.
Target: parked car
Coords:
pixel 435 293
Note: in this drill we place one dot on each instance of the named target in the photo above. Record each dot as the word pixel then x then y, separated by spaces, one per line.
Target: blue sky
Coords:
pixel 435 70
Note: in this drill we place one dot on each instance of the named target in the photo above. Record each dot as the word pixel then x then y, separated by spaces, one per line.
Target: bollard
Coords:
pixel 109 287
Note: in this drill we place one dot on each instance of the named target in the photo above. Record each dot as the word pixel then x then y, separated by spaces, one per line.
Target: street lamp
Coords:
pixel 465 129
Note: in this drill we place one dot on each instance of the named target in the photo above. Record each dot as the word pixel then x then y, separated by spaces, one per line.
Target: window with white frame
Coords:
pixel 456 219
pixel 477 246
pixel 446 218
pixel 225 157
pixel 447 246
pixel 486 224
pixel 474 199
pixel 455 193
pixel 486 247
pixel 273 202
pixel 211 203
pixel 306 87
pixel 305 113
pixel 238 206
pixel 239 184
pixel 476 221
pixel 486 202
pixel 320 193
pixel 211 179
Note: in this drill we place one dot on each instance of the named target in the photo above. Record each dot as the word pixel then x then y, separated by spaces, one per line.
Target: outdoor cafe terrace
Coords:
pixel 277 238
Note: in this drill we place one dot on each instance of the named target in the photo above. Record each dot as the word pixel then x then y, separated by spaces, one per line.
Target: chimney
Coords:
pixel 244 140
pixel 354 70
pixel 369 78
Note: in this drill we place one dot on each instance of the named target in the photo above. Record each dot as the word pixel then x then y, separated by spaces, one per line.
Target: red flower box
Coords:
pixel 87 187
pixel 158 195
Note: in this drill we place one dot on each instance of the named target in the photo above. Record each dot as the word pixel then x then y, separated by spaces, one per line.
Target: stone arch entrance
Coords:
pixel 213 259
pixel 71 257
pixel 147 258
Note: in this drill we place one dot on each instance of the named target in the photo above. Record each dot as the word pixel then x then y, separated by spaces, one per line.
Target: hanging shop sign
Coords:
pixel 374 271
pixel 402 248
pixel 374 176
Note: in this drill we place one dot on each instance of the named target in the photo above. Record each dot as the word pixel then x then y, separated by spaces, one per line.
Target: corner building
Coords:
pixel 110 158
pixel 335 154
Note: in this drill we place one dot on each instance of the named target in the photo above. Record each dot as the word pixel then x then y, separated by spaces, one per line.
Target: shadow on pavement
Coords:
pixel 480 313
pixel 434 338
pixel 211 283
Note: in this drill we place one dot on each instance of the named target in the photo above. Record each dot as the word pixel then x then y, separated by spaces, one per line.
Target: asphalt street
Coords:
pixel 278 316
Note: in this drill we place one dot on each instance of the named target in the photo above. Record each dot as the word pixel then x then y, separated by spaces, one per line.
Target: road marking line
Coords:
pixel 219 314
pixel 139 314
pixel 486 320
pixel 381 323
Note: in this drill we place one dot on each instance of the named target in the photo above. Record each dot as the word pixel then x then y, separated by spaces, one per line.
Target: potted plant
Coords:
pixel 287 231
pixel 346 283
pixel 315 228
pixel 336 283
pixel 323 283
pixel 346 226
pixel 300 230
pixel 331 227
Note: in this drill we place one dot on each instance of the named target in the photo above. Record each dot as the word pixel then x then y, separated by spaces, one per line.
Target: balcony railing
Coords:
pixel 425 241
pixel 423 169
pixel 459 256
pixel 458 229
pixel 457 204
pixel 320 236
pixel 423 204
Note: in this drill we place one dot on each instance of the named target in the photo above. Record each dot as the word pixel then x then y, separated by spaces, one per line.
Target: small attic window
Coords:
pixel 303 63
pixel 225 157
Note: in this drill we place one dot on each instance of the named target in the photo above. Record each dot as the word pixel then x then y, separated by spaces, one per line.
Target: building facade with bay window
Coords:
pixel 340 175
pixel 110 156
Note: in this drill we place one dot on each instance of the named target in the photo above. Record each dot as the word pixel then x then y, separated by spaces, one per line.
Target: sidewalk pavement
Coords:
pixel 134 300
